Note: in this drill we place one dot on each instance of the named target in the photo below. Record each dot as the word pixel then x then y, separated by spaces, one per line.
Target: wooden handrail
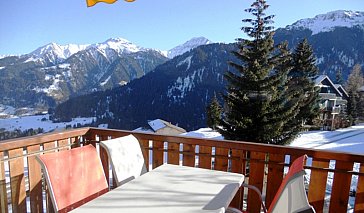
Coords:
pixel 242 145
pixel 265 164
pixel 40 139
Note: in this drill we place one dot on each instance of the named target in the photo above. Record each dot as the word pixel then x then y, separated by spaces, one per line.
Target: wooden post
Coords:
pixel 17 180
pixel 3 193
pixel 35 181
pixel 317 186
pixel 341 187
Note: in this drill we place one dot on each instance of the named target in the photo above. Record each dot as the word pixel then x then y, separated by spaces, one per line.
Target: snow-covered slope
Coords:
pixel 55 53
pixel 40 121
pixel 187 46
pixel 327 22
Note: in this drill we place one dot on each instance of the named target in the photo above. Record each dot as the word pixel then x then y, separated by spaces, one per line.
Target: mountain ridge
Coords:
pixel 328 21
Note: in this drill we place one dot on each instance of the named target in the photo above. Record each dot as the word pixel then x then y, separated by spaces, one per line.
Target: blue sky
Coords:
pixel 161 24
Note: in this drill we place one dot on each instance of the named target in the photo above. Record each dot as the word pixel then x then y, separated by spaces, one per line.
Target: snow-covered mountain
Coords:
pixel 327 22
pixel 52 73
pixel 55 53
pixel 187 46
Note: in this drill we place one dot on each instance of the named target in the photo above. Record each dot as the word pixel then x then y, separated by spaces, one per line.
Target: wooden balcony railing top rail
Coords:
pixel 333 181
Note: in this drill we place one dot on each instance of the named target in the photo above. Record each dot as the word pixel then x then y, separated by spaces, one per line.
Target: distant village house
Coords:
pixel 160 126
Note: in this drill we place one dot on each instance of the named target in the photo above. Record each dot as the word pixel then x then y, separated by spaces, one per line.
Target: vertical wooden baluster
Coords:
pixel 35 180
pixel 317 186
pixel 204 159
pixel 238 166
pixel 144 144
pixel 90 138
pixel 341 187
pixel 188 155
pixel 63 144
pixel 157 153
pixel 3 193
pixel 238 161
pixel 256 177
pixel 75 142
pixel 50 209
pixel 221 159
pixel 173 153
pixel 17 180
pixel 359 197
pixel 275 176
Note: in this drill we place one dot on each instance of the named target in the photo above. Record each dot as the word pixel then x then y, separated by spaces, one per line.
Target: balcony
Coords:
pixel 264 166
pixel 327 96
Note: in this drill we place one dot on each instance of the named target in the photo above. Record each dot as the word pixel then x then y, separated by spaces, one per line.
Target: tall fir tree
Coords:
pixel 302 80
pixel 259 106
pixel 351 108
pixel 355 106
pixel 214 111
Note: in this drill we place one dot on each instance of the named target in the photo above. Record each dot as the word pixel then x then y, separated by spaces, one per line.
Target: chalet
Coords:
pixel 160 126
pixel 333 102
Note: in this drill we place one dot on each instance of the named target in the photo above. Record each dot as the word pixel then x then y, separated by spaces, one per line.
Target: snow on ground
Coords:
pixel 204 133
pixel 344 140
pixel 6 111
pixel 349 140
pixel 39 121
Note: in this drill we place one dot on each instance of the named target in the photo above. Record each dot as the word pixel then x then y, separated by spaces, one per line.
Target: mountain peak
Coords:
pixel 327 22
pixel 55 52
pixel 188 45
pixel 117 40
pixel 120 45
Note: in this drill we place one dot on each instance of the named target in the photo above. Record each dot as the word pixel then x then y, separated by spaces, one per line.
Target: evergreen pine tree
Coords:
pixel 351 108
pixel 301 79
pixel 259 106
pixel 356 100
pixel 214 111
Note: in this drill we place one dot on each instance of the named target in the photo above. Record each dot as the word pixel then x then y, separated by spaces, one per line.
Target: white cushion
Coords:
pixel 126 158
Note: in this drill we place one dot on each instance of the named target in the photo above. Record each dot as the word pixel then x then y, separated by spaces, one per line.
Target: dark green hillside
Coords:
pixel 177 91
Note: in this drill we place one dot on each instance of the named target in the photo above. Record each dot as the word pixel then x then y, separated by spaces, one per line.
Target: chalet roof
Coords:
pixel 158 124
pixel 342 89
pixel 321 78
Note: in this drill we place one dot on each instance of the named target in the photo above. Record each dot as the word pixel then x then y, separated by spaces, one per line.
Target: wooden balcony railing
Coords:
pixel 22 187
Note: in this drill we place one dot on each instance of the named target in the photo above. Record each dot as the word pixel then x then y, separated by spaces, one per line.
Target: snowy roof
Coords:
pixel 341 89
pixel 143 129
pixel 158 124
pixel 321 78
